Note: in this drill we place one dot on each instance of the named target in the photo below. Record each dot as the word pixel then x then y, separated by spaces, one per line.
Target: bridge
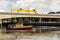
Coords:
pixel 43 19
pixel 12 15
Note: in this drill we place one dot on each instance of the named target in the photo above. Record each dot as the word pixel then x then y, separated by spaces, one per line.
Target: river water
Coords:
pixel 46 36
pixel 34 36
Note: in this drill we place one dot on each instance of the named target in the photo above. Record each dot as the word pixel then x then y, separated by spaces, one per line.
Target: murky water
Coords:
pixel 35 36
pixel 40 37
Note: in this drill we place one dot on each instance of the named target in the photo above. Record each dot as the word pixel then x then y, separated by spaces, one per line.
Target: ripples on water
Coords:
pixel 49 37
pixel 55 36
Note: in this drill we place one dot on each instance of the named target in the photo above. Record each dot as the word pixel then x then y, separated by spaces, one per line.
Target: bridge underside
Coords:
pixel 36 21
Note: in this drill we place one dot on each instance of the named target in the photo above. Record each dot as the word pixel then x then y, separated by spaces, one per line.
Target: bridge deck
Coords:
pixel 12 15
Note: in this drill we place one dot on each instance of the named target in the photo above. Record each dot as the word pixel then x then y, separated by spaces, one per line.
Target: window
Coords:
pixel 9 20
pixel 14 20
pixel 4 20
pixel 26 24
pixel 26 20
pixel 55 20
pixel 45 19
pixel 20 20
pixel 35 19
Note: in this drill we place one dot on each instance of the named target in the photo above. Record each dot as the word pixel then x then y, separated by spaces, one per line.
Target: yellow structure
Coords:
pixel 24 11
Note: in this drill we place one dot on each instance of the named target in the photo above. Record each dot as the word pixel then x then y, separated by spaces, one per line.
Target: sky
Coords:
pixel 43 6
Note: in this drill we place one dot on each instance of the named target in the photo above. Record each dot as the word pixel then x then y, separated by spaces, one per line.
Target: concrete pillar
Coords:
pixel 0 25
pixel 40 19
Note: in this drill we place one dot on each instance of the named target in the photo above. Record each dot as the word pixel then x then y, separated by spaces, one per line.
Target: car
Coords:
pixel 51 13
pixel 58 12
